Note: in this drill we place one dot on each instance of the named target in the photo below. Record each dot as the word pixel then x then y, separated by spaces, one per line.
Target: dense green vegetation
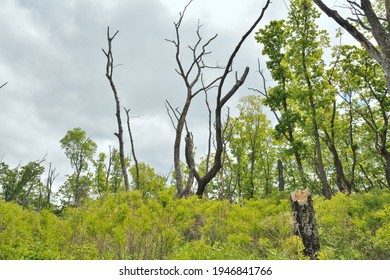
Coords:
pixel 128 226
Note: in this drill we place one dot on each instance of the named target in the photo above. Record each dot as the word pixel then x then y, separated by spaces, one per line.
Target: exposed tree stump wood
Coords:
pixel 305 224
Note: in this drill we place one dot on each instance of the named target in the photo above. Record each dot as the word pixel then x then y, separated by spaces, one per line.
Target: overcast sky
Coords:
pixel 51 56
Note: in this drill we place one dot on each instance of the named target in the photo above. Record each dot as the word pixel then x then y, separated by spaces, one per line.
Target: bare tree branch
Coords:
pixel 3 85
pixel 350 28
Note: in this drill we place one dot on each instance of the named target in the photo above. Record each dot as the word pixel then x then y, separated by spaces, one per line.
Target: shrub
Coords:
pixel 129 225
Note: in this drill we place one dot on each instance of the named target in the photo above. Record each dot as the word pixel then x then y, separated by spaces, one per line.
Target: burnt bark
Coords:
pixel 305 225
pixel 341 181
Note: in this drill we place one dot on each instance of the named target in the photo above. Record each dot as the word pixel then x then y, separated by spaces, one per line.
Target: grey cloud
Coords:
pixel 50 53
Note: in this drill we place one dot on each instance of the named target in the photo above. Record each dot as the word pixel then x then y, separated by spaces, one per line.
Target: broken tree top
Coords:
pixel 300 196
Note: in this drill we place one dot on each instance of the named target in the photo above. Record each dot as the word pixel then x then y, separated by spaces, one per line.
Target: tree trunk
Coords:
pixel 341 181
pixel 181 191
pixel 386 156
pixel 137 180
pixel 305 225
pixel 322 174
pixel 119 134
pixel 280 175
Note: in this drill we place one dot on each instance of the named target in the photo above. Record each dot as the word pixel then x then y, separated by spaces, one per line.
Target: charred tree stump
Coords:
pixel 305 225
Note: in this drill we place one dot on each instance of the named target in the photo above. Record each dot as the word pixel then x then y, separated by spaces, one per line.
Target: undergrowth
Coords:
pixel 130 226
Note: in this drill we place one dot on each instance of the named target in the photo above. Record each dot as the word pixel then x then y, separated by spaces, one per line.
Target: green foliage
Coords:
pixel 100 180
pixel 29 235
pixel 332 116
pixel 22 184
pixel 250 153
pixel 128 225
pixel 80 150
pixel 354 227
pixel 150 183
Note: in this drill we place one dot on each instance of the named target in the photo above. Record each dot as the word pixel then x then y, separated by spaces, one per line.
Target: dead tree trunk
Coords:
pixel 119 134
pixel 137 181
pixel 305 225
pixel 51 176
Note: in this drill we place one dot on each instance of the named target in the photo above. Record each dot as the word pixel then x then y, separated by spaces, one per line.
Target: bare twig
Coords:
pixel 3 85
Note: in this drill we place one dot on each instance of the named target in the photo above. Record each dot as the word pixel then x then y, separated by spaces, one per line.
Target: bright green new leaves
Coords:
pixel 150 183
pixel 362 86
pixel 80 151
pixel 78 148
pixel 129 226
pixel 302 98
pixel 100 180
pixel 274 39
pixel 108 177
pixel 251 146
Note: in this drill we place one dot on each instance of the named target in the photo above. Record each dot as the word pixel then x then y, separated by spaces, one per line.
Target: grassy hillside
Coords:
pixel 127 226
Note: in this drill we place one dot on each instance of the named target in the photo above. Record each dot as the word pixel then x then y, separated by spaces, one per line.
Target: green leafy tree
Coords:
pixel 303 95
pixel 305 58
pixel 252 148
pixel 114 173
pixel 150 183
pixel 80 150
pixel 100 181
pixel 279 98
pixel 363 88
pixel 22 183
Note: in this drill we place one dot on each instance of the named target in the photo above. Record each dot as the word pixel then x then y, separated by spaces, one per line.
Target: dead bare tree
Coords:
pixel 119 134
pixel 196 70
pixel 137 184
pixel 51 176
pixel 191 77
